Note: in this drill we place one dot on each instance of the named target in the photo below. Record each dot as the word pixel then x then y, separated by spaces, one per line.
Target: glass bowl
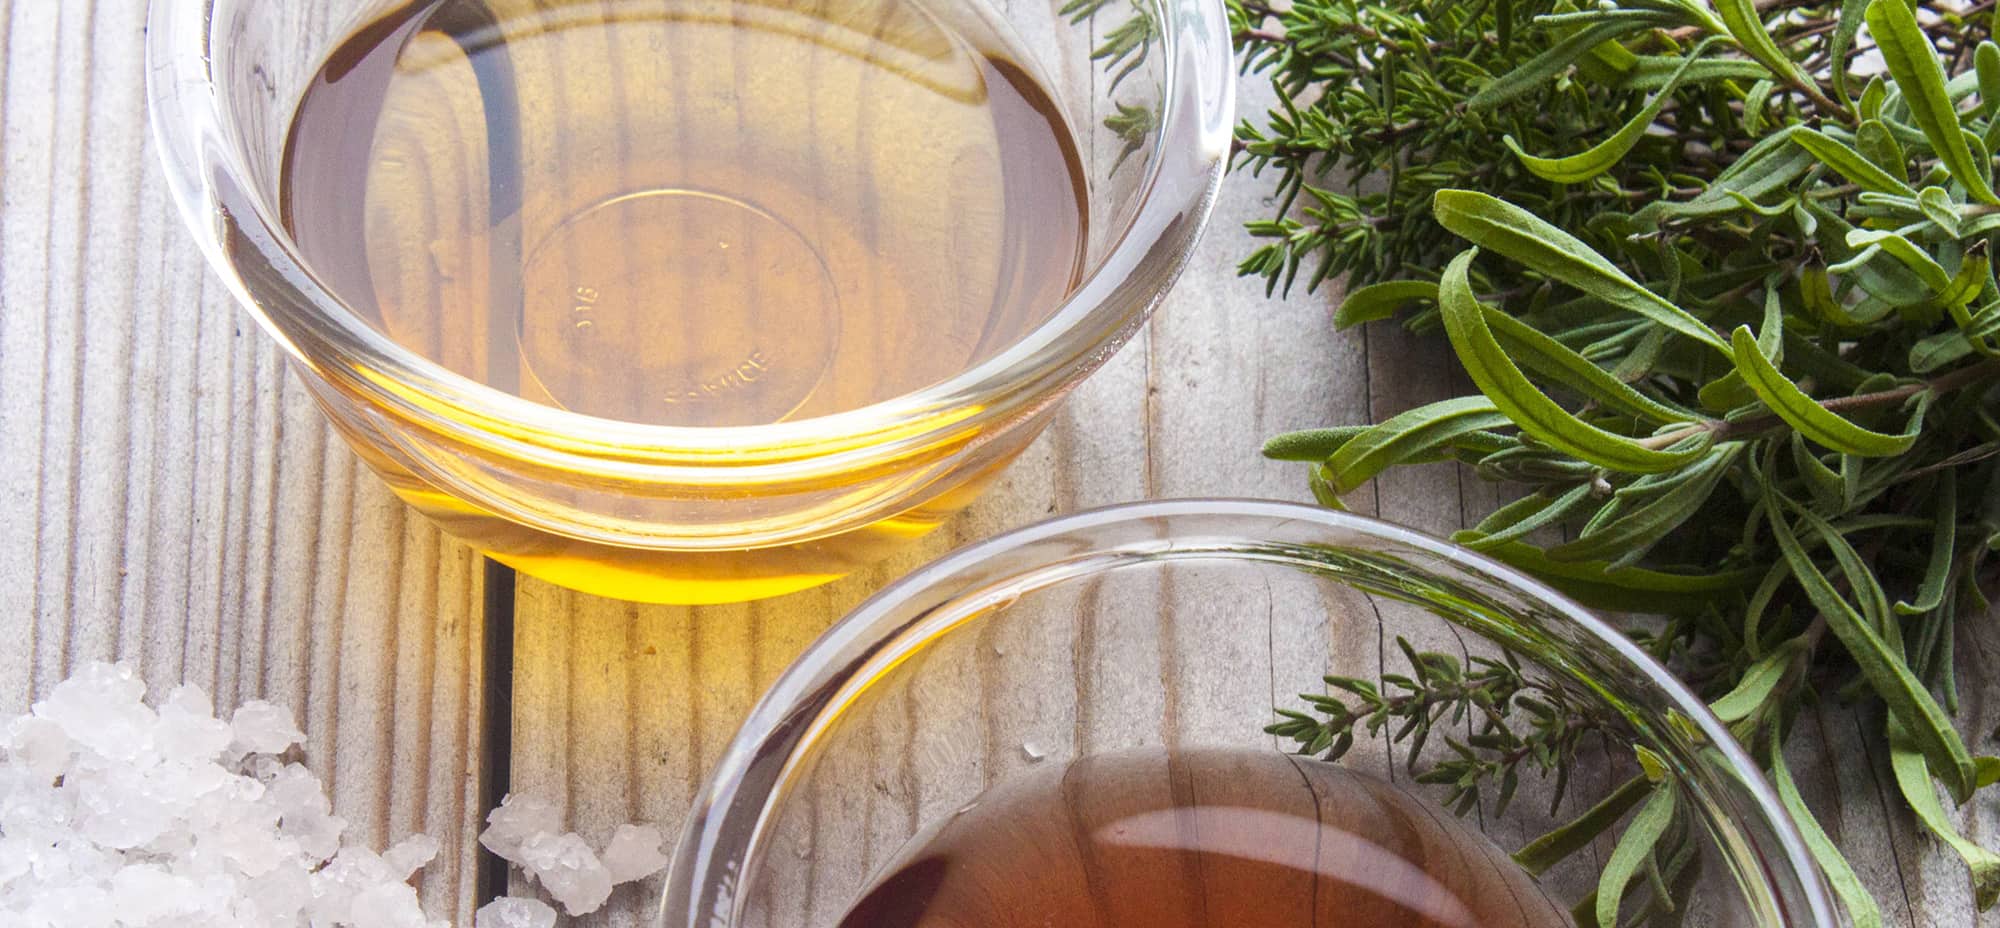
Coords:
pixel 1186 624
pixel 679 513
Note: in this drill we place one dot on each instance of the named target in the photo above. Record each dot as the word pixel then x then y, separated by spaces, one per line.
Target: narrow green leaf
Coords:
pixel 1725 393
pixel 1407 435
pixel 1989 770
pixel 1771 333
pixel 1651 72
pixel 1486 537
pixel 1634 849
pixel 1640 527
pixel 1322 489
pixel 1913 778
pixel 1826 486
pixel 1802 413
pixel 1754 690
pixel 1524 237
pixel 1381 301
pixel 1558 845
pixel 1879 146
pixel 1310 444
pixel 1851 164
pixel 1629 588
pixel 1558 57
pixel 1848 24
pixel 1754 104
pixel 1855 897
pixel 1985 323
pixel 1874 95
pixel 1521 401
pixel 1986 65
pixel 1747 28
pixel 1920 76
pixel 1769 165
pixel 1553 359
pixel 1903 250
pixel 1906 697
pixel 1650 761
pixel 1944 545
pixel 1935 352
pixel 1506 516
pixel 1580 167
pixel 1939 208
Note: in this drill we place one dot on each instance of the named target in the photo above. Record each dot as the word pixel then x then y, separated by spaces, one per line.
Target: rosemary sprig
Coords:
pixel 1721 271
pixel 1522 721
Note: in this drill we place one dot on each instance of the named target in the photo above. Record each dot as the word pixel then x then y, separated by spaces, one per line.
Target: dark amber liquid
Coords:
pixel 1203 839
pixel 688 212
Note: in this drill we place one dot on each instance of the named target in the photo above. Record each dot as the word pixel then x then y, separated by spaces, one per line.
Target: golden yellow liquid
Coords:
pixel 692 213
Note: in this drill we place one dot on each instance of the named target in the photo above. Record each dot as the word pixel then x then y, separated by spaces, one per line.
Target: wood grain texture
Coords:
pixel 170 497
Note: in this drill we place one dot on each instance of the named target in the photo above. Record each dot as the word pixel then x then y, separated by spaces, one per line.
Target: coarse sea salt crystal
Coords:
pixel 262 728
pixel 633 853
pixel 387 905
pixel 189 729
pixel 100 709
pixel 570 871
pixel 515 913
pixel 406 856
pixel 518 819
pixel 40 745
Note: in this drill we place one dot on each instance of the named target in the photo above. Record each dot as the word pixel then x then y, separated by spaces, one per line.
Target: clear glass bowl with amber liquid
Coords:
pixel 1065 726
pixel 691 300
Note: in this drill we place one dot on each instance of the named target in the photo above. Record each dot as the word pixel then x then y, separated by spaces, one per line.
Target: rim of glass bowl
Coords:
pixel 209 179
pixel 724 828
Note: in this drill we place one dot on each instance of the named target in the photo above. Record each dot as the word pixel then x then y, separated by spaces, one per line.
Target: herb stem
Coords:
pixel 1726 430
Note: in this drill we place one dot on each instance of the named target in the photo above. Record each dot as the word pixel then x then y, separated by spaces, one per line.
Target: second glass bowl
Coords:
pixel 1184 624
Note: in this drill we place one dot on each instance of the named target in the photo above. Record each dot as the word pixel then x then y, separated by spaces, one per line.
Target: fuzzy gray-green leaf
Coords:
pixel 1513 394
pixel 1801 412
pixel 1522 236
pixel 1584 165
pixel 1920 76
pixel 1854 896
pixel 1944 542
pixel 1913 779
pixel 1851 164
pixel 1381 301
pixel 1906 697
pixel 1634 849
pixel 1407 435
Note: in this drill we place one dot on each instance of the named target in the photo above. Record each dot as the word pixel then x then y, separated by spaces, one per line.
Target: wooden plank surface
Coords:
pixel 168 496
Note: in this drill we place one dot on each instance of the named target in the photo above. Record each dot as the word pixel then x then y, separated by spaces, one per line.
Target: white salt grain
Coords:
pixel 189 729
pixel 100 709
pixel 515 913
pixel 387 905
pixel 633 853
pixel 405 857
pixel 40 745
pixel 518 819
pixel 262 728
pixel 570 871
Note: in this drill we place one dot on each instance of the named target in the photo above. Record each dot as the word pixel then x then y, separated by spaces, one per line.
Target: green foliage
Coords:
pixel 1721 272
pixel 1522 721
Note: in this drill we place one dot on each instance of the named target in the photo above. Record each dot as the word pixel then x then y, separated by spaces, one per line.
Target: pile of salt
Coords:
pixel 116 813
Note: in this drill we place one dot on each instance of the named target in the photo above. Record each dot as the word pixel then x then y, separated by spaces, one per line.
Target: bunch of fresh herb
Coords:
pixel 1721 273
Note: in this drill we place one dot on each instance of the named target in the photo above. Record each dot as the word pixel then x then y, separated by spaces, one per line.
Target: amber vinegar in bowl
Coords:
pixel 690 300
pixel 1064 726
